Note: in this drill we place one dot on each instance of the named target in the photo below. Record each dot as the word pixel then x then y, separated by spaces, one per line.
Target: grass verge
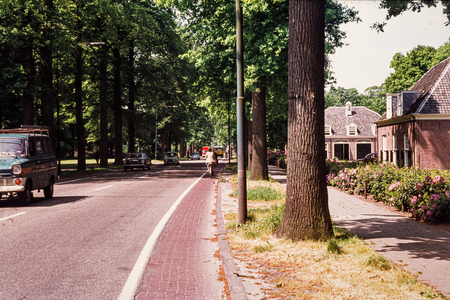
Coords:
pixel 342 268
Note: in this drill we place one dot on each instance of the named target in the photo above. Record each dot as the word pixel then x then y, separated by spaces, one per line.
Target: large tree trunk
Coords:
pixel 103 108
pixel 48 118
pixel 131 99
pixel 117 107
pixel 306 215
pixel 258 166
pixel 28 93
pixel 81 139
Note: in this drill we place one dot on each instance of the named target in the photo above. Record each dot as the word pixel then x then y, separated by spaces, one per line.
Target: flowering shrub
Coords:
pixel 424 193
pixel 273 156
pixel 277 158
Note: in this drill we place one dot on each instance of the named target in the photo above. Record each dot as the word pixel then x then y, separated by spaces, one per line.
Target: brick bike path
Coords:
pixel 420 248
pixel 184 263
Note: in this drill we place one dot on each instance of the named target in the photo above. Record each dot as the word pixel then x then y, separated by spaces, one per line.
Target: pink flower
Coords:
pixel 429 213
pixel 428 178
pixel 414 200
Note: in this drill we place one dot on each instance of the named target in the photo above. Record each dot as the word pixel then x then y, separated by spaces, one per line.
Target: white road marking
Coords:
pixel 10 217
pixel 133 279
pixel 102 188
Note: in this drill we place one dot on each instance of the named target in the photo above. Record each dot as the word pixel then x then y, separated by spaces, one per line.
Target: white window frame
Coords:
pixel 406 149
pixel 352 128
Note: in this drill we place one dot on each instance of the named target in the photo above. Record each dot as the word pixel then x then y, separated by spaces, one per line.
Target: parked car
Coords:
pixel 371 157
pixel 137 160
pixel 195 155
pixel 27 163
pixel 171 158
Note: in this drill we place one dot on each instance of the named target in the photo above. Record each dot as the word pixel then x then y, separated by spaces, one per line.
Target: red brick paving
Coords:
pixel 182 264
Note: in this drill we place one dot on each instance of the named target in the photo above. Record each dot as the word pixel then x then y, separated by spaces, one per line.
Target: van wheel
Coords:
pixel 26 197
pixel 48 191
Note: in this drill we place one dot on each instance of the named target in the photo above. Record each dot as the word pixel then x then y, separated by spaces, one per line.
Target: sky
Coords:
pixel 364 62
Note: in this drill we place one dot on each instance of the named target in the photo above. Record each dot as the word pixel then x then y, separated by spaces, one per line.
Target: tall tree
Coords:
pixel 46 70
pixel 306 215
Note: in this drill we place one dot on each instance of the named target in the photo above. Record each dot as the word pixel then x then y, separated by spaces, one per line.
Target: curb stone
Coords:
pixel 235 284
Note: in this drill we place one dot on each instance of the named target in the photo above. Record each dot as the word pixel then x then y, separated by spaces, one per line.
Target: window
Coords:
pixel 394 152
pixel 39 146
pixel 405 142
pixel 363 147
pixel 406 152
pixel 352 130
pixel 327 130
pixel 341 149
pixel 384 149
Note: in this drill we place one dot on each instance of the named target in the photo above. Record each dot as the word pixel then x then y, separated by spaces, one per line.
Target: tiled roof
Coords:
pixel 435 87
pixel 361 116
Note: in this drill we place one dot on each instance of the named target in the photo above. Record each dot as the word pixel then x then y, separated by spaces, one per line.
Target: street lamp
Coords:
pixel 156 134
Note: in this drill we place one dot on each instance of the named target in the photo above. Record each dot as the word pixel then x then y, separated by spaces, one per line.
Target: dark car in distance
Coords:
pixel 138 160
pixel 371 157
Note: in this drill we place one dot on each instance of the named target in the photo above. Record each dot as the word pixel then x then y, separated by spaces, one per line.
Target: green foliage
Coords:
pixel 373 99
pixel 409 68
pixel 261 193
pixel 396 8
pixel 379 262
pixel 333 247
pixel 263 248
pixel 211 34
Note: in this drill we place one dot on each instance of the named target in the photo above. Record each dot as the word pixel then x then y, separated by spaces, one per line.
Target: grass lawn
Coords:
pixel 69 167
pixel 344 267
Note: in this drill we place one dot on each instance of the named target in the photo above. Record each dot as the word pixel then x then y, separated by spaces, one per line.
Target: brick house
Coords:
pixel 415 130
pixel 350 132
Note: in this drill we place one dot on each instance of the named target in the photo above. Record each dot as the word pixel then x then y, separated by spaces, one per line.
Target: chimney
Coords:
pixel 391 104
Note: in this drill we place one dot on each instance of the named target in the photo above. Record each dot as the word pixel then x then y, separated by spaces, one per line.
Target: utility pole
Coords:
pixel 240 115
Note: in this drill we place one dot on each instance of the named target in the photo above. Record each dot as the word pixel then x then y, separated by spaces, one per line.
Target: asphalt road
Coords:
pixel 83 243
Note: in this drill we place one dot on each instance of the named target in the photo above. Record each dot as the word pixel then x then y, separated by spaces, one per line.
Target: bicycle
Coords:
pixel 210 167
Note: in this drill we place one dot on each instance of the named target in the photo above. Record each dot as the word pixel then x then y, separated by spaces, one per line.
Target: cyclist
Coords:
pixel 210 161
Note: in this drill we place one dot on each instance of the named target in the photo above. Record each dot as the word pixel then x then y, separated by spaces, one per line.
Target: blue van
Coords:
pixel 27 163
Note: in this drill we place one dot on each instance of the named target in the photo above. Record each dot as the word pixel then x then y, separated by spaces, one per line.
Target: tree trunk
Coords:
pixel 258 170
pixel 249 140
pixel 103 108
pixel 81 139
pixel 131 99
pixel 46 72
pixel 306 215
pixel 28 93
pixel 117 107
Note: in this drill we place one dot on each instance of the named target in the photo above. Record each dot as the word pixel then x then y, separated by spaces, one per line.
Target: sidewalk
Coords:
pixel 420 248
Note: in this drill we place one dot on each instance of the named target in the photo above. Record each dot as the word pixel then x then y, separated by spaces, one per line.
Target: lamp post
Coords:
pixel 156 134
pixel 240 115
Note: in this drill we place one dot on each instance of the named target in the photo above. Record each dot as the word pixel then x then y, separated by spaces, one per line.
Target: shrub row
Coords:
pixel 277 158
pixel 424 193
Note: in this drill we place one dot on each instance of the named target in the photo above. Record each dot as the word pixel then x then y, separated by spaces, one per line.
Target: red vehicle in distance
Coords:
pixel 204 150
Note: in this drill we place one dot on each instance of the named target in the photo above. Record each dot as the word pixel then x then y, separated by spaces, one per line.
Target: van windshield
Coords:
pixel 12 147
